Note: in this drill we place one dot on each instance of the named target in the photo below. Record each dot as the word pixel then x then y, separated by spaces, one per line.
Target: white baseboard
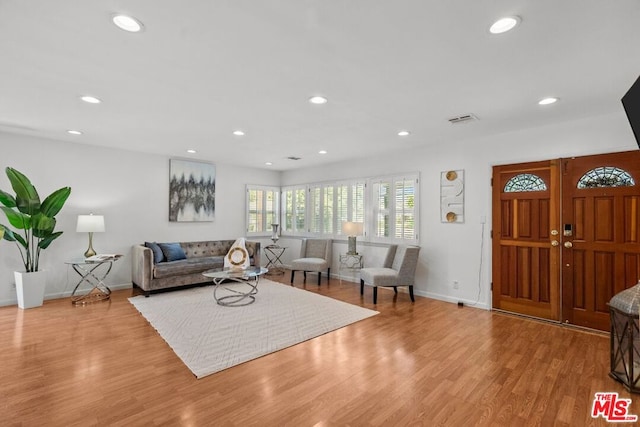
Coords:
pixel 453 300
pixel 351 279
pixel 346 278
pixel 439 297
pixel 65 294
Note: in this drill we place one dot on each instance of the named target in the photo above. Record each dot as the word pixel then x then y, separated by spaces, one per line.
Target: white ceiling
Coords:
pixel 203 68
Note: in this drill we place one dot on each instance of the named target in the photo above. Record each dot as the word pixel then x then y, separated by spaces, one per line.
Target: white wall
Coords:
pixel 129 188
pixel 452 251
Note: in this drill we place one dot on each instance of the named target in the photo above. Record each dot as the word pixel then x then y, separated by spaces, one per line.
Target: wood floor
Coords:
pixel 427 363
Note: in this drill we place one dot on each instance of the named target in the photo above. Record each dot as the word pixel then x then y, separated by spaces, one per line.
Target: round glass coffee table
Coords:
pixel 235 287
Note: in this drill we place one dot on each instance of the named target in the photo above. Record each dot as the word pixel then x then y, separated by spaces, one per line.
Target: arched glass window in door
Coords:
pixel 606 176
pixel 524 182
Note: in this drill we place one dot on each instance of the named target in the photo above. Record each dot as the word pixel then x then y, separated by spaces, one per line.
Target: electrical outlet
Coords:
pixel 455 284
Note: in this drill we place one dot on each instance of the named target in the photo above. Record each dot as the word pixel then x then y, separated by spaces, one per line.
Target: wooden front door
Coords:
pixel 564 258
pixel 525 262
pixel 601 256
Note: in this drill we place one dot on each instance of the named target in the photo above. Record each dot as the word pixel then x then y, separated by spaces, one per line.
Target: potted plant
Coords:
pixel 34 224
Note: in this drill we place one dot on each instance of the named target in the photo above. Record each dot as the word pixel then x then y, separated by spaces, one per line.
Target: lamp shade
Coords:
pixel 90 224
pixel 352 228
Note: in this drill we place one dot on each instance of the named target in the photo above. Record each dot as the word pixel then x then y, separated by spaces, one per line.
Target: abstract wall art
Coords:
pixel 192 191
pixel 452 196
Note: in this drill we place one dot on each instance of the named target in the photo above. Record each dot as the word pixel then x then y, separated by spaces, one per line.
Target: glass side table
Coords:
pixel 274 264
pixel 350 262
pixel 92 273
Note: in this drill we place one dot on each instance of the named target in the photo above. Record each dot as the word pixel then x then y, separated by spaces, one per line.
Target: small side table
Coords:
pixel 350 262
pixel 88 271
pixel 273 253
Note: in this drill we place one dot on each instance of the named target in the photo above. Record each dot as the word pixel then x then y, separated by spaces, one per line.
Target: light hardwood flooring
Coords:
pixel 427 363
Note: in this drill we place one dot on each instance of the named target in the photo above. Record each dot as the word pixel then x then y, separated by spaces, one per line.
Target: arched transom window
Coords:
pixel 606 176
pixel 525 182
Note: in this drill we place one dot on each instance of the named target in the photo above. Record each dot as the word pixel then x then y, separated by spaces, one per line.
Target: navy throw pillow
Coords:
pixel 172 251
pixel 158 256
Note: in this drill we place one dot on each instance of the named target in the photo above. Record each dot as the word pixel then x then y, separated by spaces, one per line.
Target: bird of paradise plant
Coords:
pixel 34 221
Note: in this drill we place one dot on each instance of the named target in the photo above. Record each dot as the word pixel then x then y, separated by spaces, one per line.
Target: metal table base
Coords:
pixel 88 274
pixel 243 291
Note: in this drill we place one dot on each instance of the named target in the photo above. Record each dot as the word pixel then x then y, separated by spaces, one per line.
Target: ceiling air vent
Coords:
pixel 294 158
pixel 462 119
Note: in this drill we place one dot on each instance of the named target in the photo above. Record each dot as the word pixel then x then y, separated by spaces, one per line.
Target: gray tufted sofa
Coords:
pixel 201 256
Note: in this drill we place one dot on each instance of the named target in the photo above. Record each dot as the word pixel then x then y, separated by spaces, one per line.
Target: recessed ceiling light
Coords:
pixel 191 151
pixel 404 133
pixel 268 163
pixel 322 152
pixel 318 100
pixel 74 132
pixel 547 101
pixel 127 23
pixel 505 24
pixel 238 133
pixel 90 99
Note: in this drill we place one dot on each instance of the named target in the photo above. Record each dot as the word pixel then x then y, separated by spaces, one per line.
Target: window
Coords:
pixel 357 201
pixel 342 205
pixel 606 176
pixel 404 226
pixel 327 211
pixel 294 210
pixel 315 209
pixel 388 208
pixel 349 203
pixel 262 209
pixel 321 205
pixel 381 195
pixel 395 208
pixel 524 182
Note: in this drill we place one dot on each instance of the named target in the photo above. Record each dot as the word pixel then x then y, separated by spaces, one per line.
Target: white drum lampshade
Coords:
pixel 90 224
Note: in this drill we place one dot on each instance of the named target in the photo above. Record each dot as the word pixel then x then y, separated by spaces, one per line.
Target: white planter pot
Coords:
pixel 30 288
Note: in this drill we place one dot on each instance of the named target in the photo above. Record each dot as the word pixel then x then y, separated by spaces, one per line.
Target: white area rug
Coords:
pixel 209 338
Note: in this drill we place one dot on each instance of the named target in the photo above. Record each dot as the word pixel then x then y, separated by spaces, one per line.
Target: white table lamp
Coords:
pixel 90 224
pixel 352 229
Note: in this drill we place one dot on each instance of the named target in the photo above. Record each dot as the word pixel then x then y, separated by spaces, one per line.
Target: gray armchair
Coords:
pixel 315 255
pixel 398 270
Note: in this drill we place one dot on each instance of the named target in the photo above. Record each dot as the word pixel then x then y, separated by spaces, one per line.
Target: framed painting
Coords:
pixel 192 191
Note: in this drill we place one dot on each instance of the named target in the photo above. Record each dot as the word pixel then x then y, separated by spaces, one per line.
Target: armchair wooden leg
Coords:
pixel 361 287
pixel 319 275
pixel 375 294
pixel 292 271
pixel 395 290
pixel 411 294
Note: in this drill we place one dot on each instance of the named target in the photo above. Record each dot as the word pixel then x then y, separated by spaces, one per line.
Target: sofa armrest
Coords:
pixel 142 266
